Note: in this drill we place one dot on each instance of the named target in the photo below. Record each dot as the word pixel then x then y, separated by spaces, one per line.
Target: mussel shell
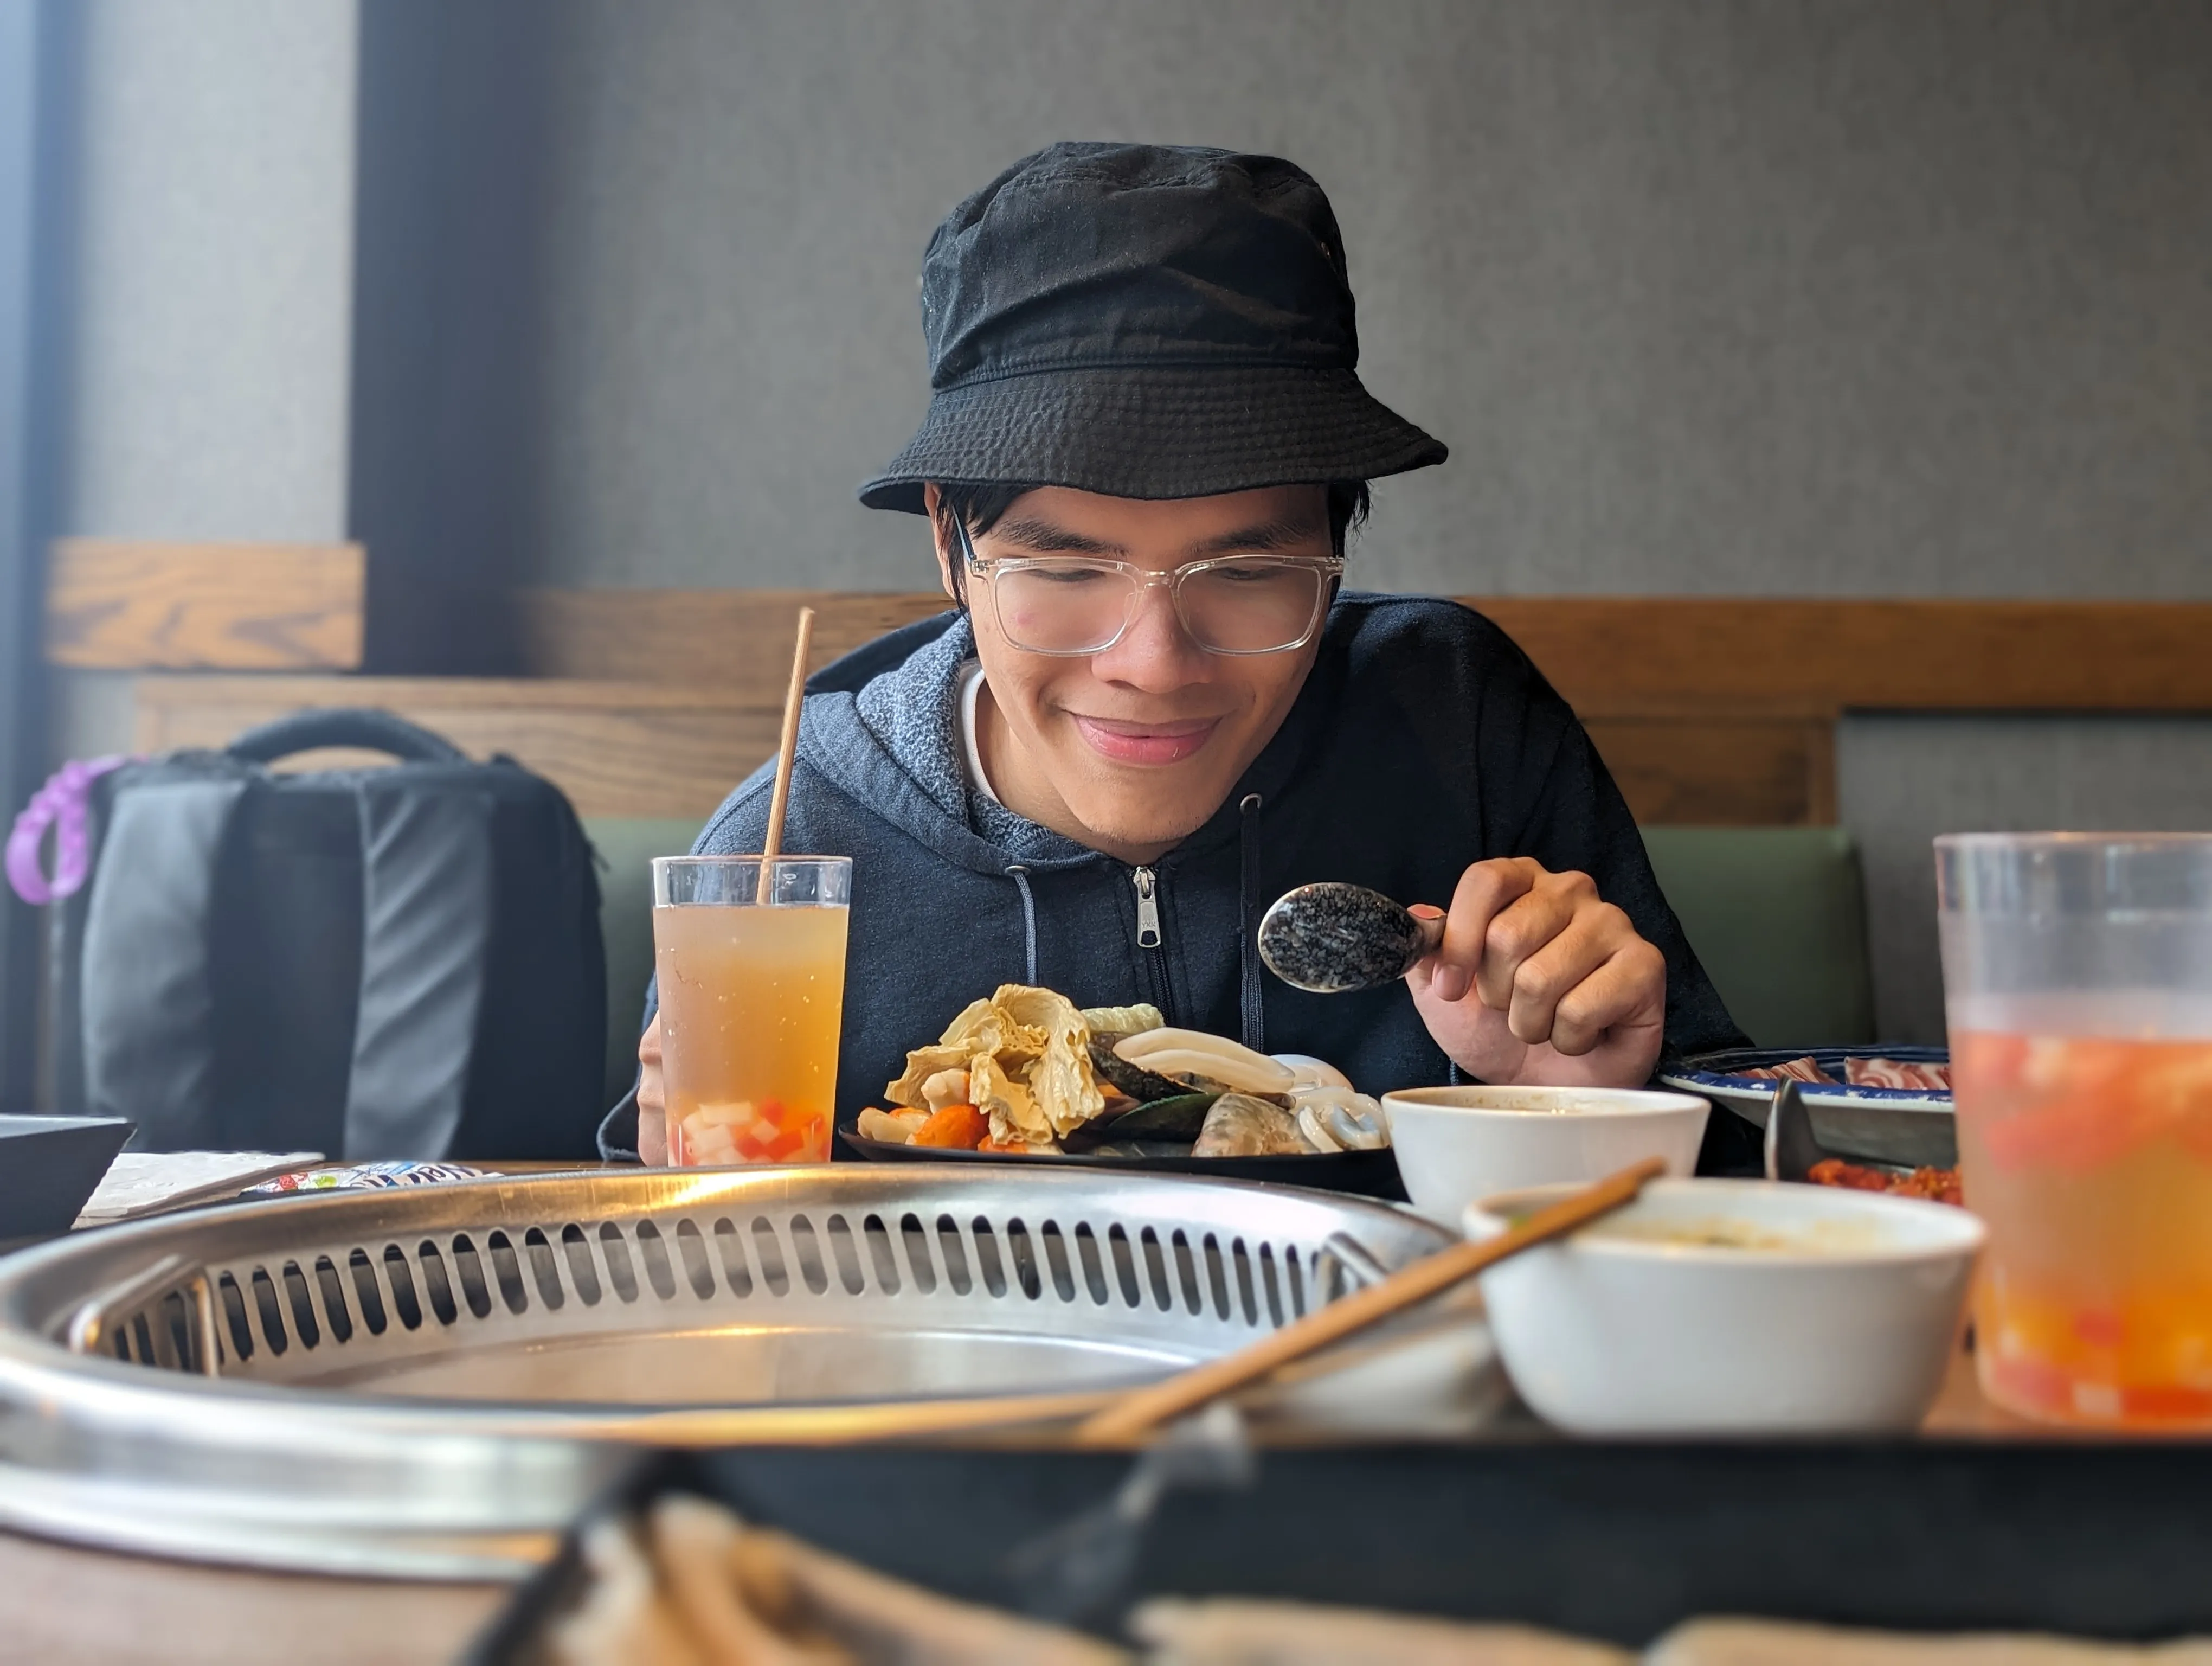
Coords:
pixel 1136 1081
pixel 1177 1117
pixel 1332 938
pixel 1140 1148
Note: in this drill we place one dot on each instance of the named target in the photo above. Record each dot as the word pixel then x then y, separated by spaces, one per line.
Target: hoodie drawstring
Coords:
pixel 1247 925
pixel 1020 876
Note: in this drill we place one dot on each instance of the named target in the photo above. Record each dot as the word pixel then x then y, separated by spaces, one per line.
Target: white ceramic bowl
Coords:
pixel 1841 1318
pixel 1457 1144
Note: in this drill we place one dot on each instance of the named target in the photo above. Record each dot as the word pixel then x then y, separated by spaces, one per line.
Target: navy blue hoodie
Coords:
pixel 1423 740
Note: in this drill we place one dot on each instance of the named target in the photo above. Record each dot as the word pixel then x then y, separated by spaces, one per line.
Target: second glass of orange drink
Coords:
pixel 752 995
pixel 2077 974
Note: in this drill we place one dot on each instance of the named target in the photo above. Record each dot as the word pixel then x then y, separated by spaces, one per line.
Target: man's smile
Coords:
pixel 1123 741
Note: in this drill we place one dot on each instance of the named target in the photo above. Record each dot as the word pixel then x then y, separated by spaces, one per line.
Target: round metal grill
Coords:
pixel 433 1380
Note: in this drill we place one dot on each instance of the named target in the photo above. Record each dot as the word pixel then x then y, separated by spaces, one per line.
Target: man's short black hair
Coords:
pixel 981 507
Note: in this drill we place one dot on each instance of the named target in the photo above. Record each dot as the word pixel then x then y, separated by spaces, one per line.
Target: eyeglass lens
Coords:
pixel 1232 607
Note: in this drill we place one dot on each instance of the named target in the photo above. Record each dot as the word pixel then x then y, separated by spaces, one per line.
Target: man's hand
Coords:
pixel 651 1098
pixel 1538 981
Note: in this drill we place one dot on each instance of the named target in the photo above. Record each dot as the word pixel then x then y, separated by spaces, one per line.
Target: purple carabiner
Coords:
pixel 60 804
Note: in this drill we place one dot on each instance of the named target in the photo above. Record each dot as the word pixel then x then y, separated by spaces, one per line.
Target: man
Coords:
pixel 1152 712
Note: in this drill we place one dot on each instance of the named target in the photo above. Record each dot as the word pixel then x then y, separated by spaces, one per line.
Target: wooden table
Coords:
pixel 59 1603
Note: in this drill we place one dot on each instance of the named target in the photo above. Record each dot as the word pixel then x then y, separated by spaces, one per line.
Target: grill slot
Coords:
pixel 544 1268
pixel 468 1269
pixel 986 1256
pixel 768 1251
pixel 920 1265
pixel 505 1274
pixel 582 1272
pixel 272 1316
pixel 732 1249
pixel 1156 1264
pixel 334 1301
pixel 614 1247
pixel 1094 1270
pixel 300 1305
pixel 691 1247
pixel 436 1284
pixel 365 1291
pixel 654 1254
pixel 1330 1278
pixel 1056 1259
pixel 806 1249
pixel 1124 1264
pixel 1024 1258
pixel 1268 1284
pixel 954 1248
pixel 1216 1275
pixel 232 1305
pixel 1186 1270
pixel 881 1255
pixel 843 1252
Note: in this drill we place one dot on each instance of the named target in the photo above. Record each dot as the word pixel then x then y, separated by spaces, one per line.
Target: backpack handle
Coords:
pixel 357 726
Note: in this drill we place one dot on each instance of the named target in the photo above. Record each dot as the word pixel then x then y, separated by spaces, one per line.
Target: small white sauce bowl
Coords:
pixel 1630 1327
pixel 1457 1144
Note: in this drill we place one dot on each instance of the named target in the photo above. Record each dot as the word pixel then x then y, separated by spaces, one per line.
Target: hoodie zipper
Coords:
pixel 1151 940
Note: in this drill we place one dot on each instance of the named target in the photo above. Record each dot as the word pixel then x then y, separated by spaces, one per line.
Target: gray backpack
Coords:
pixel 401 961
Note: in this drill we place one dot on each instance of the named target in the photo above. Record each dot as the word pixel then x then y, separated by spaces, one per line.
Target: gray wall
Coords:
pixel 212 271
pixel 1904 778
pixel 207 357
pixel 1874 297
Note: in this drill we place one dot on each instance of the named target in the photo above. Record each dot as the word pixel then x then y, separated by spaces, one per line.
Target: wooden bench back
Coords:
pixel 652 702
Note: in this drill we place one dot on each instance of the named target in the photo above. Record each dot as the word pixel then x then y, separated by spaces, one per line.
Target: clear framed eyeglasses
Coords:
pixel 1230 604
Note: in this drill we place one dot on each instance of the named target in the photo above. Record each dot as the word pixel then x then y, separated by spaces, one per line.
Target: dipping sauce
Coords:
pixel 1717 1232
pixel 1811 1237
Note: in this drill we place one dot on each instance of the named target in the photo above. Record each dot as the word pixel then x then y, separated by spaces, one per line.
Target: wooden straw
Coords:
pixel 772 844
pixel 1137 1413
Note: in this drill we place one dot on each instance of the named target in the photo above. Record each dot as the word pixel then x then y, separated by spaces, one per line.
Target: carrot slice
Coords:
pixel 956 1128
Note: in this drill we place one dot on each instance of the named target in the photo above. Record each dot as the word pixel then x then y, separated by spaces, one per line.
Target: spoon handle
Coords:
pixel 1137 1412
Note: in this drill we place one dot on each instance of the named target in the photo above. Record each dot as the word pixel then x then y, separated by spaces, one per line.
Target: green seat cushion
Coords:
pixel 1777 914
pixel 627 846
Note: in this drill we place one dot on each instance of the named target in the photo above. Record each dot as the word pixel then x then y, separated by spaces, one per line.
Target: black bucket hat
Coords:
pixel 1144 321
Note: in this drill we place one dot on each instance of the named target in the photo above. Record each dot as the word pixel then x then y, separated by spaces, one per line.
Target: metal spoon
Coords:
pixel 1329 938
pixel 1792 1149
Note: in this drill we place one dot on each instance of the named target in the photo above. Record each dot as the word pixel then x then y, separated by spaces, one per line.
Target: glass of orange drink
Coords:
pixel 2078 979
pixel 752 993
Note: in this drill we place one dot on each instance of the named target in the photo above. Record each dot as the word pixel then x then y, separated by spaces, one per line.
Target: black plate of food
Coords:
pixel 1359 1173
pixel 1119 1087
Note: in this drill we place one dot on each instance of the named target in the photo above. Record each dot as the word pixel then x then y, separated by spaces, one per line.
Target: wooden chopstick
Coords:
pixel 1140 1411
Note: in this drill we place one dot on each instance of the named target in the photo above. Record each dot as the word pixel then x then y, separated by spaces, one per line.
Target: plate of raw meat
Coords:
pixel 1892 1104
